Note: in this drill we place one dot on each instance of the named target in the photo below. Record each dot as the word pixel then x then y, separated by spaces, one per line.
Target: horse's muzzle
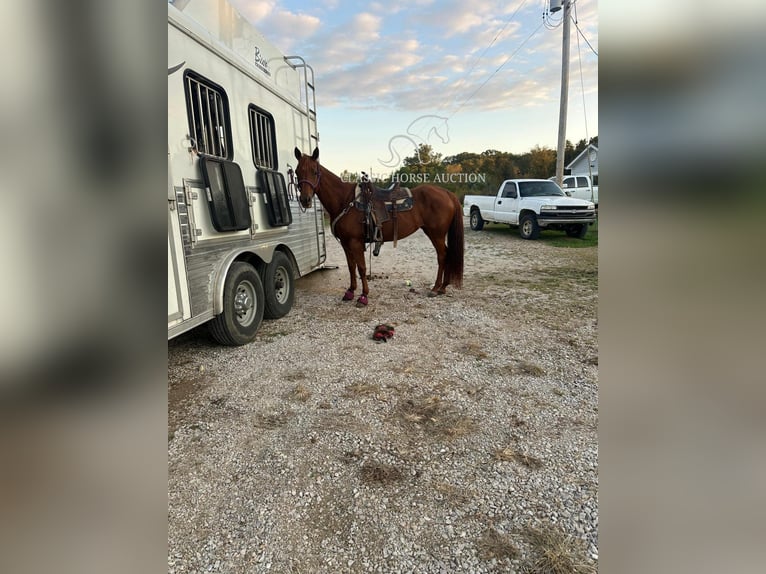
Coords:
pixel 305 202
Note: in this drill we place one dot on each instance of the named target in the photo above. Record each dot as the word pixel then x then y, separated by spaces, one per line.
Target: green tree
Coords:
pixel 542 162
pixel 424 155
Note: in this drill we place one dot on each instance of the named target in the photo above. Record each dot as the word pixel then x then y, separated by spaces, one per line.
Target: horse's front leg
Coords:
pixel 357 249
pixel 351 262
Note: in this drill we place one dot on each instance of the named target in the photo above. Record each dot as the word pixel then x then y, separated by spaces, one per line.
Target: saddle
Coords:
pixel 377 203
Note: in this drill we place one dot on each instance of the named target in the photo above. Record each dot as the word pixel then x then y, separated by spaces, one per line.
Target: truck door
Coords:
pixel 569 185
pixel 507 204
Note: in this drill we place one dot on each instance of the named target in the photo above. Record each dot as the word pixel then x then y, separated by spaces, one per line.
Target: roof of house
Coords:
pixel 581 154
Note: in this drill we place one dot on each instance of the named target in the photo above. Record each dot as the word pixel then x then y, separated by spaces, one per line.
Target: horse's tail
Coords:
pixel 453 267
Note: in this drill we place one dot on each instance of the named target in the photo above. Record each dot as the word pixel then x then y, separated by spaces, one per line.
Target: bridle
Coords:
pixel 314 186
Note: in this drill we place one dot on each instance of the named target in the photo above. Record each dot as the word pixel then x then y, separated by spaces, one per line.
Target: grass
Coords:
pixel 522 367
pixel 299 393
pixel 451 493
pixel 493 544
pixel 475 350
pixel 379 473
pixel 554 552
pixel 560 239
pixel 434 417
pixel 527 368
pixel 360 390
pixel 271 420
pixel 509 454
pixel 547 280
pixel 556 238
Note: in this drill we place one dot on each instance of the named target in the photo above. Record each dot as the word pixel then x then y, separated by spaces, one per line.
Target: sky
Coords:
pixel 459 76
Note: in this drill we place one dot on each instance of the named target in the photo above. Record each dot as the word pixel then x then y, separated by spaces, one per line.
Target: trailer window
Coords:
pixel 208 111
pixel 263 139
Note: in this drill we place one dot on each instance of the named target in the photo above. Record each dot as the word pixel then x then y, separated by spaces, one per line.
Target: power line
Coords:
pixel 477 60
pixel 582 89
pixel 580 31
pixel 584 38
pixel 508 21
pixel 492 75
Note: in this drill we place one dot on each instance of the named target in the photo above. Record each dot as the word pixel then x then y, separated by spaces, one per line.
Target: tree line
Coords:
pixel 480 173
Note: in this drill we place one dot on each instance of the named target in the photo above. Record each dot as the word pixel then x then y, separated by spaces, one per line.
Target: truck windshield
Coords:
pixel 539 188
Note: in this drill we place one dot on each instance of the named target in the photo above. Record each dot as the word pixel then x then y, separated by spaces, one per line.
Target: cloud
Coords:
pixel 282 23
pixel 285 29
pixel 423 55
pixel 254 10
pixel 456 17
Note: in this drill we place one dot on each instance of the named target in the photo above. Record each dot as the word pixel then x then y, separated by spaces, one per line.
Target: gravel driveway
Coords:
pixel 466 443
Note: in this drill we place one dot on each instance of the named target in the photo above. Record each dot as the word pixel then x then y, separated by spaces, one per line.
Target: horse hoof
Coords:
pixel 362 301
pixel 433 294
pixel 348 295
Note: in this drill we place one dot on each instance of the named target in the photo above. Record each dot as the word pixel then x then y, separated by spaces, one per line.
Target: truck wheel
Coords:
pixel 578 230
pixel 477 223
pixel 243 303
pixel 528 228
pixel 279 286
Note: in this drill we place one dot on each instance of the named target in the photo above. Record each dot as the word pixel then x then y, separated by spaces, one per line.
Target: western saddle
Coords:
pixel 377 203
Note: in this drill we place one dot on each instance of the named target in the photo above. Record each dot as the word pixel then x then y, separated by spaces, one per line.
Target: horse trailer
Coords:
pixel 237 237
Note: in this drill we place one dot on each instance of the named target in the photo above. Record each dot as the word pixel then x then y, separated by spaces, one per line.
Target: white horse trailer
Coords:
pixel 237 238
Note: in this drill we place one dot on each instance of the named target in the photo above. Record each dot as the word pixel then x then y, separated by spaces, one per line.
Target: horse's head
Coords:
pixel 308 175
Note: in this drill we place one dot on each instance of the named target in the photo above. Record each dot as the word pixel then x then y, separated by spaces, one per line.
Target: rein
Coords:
pixel 341 214
pixel 314 187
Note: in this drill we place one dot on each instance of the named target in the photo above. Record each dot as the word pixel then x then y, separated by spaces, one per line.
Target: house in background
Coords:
pixel 579 165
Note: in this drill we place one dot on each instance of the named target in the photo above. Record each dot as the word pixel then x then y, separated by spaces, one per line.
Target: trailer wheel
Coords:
pixel 279 286
pixel 243 306
pixel 528 228
pixel 477 222
pixel 577 230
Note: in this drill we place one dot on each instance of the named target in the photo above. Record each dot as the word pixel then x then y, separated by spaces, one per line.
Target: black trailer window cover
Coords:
pixel 226 194
pixel 208 111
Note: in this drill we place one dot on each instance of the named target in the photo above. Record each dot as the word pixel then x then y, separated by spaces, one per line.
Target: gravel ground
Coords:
pixel 466 443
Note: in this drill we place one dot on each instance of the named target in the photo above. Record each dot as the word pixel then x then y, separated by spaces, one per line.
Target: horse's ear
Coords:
pixel 298 154
pixel 315 155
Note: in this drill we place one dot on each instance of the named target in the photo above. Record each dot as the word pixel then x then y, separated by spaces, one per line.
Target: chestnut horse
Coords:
pixel 435 210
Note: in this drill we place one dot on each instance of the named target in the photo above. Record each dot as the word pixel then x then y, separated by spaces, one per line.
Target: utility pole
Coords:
pixel 564 94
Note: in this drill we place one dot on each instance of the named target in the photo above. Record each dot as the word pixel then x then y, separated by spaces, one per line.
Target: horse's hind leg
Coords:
pixel 440 245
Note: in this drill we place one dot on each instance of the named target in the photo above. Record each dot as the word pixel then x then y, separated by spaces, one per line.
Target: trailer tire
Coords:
pixel 243 306
pixel 279 286
pixel 528 227
pixel 477 222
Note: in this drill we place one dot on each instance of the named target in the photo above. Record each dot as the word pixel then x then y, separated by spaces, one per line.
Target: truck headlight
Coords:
pixel 548 208
pixel 591 206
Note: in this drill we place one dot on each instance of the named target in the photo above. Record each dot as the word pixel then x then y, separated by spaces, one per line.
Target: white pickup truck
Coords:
pixel 580 186
pixel 531 204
